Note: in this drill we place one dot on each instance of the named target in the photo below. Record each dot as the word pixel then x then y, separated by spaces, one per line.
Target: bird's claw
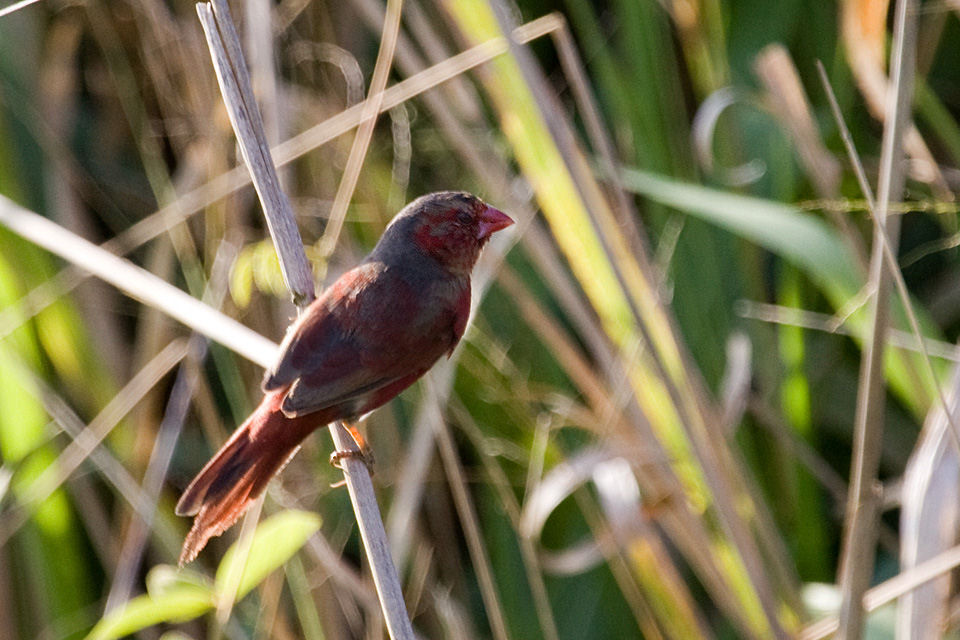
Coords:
pixel 365 456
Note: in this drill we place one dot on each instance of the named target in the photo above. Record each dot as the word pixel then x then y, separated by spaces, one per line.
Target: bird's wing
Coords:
pixel 339 353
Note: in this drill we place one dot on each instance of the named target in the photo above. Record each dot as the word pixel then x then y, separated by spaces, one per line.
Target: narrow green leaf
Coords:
pixel 802 238
pixel 614 293
pixel 177 604
pixel 303 603
pixel 164 578
pixel 274 542
pixel 811 245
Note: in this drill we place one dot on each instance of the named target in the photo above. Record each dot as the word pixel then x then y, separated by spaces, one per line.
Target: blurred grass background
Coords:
pixel 647 432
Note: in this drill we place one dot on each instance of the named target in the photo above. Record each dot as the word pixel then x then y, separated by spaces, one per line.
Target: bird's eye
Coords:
pixel 464 218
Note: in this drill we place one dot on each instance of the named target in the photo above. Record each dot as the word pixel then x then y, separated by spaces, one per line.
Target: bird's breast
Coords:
pixel 411 309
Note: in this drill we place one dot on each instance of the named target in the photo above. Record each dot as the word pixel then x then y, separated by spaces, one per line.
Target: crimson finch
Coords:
pixel 369 336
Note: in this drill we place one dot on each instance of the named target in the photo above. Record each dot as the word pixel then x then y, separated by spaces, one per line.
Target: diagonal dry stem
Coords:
pixel 220 187
pixel 920 342
pixel 890 590
pixel 136 282
pixel 168 433
pixel 86 441
pixel 245 117
pixel 368 118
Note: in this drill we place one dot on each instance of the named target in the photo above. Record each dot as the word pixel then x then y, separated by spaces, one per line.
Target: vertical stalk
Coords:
pixel 861 515
pixel 235 83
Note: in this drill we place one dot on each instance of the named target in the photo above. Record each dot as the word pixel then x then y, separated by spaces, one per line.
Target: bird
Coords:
pixel 368 336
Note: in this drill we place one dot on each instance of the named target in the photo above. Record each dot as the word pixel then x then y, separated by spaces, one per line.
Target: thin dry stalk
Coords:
pixel 245 117
pixel 101 459
pixel 231 583
pixel 462 95
pixel 863 30
pixel 330 560
pixel 779 75
pixel 368 118
pixel 470 523
pixel 16 6
pixel 237 178
pixel 374 537
pixel 137 283
pixel 168 433
pixel 576 75
pixel 777 314
pixel 293 260
pixel 890 590
pixel 800 449
pixel 416 464
pixel 860 528
pixel 528 551
pixel 135 541
pixel 775 69
pixel 919 341
pixel 87 440
pixel 258 30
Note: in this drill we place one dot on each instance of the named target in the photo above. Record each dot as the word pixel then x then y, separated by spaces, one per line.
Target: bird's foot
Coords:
pixel 365 455
pixel 363 451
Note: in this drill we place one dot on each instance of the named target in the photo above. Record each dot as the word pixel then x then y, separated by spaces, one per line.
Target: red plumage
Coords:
pixel 369 336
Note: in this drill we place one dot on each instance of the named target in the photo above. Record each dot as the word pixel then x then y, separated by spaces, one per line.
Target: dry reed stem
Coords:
pixel 85 442
pixel 168 433
pixel 135 539
pixel 789 102
pixel 919 342
pixel 368 119
pixel 860 528
pixel 471 525
pixel 231 582
pixel 248 124
pixel 225 184
pixel 574 71
pixel 890 590
pixel 137 283
pixel 16 6
pixel 504 488
pixel 113 471
pixel 293 261
pixel 777 314
pixel 863 32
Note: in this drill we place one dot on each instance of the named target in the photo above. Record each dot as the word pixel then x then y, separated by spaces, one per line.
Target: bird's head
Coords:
pixel 449 226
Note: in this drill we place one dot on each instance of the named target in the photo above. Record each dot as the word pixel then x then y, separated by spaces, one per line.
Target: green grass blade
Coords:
pixel 592 263
pixel 274 542
pixel 178 604
pixel 799 237
pixel 807 242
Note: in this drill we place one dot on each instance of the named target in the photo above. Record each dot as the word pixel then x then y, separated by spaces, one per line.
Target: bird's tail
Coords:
pixel 237 475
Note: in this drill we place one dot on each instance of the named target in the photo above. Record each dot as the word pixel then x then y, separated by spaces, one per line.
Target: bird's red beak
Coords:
pixel 491 221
